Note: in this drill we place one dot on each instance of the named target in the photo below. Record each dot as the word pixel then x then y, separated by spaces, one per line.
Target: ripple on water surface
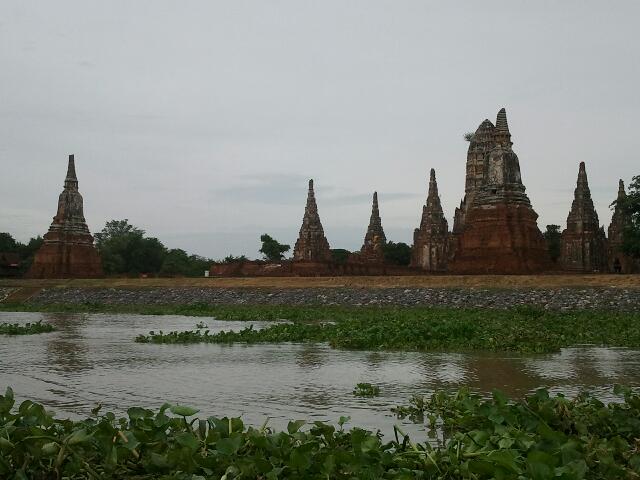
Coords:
pixel 92 358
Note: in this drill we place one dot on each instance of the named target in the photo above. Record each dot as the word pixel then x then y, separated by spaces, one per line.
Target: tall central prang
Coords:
pixel 495 229
pixel 312 245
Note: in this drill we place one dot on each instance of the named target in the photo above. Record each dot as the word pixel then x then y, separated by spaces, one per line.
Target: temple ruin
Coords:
pixel 431 240
pixel 312 245
pixel 374 239
pixel 495 228
pixel 584 242
pixel 68 250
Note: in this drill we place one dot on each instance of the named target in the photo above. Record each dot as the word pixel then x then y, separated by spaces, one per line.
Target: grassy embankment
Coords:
pixel 540 437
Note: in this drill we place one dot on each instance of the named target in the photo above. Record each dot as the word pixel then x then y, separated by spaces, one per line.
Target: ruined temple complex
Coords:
pixel 68 250
pixel 494 230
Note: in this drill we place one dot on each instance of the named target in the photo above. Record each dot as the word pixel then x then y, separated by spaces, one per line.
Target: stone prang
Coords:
pixel 495 229
pixel 374 239
pixel 312 245
pixel 431 239
pixel 68 250
pixel 584 247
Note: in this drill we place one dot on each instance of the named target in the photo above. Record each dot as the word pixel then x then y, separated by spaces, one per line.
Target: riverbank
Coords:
pixel 129 299
pixel 419 281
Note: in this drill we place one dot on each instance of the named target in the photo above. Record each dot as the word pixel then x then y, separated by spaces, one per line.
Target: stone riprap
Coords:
pixel 617 299
pixel 4 292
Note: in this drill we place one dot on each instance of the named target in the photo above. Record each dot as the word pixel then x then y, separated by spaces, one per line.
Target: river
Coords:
pixel 92 358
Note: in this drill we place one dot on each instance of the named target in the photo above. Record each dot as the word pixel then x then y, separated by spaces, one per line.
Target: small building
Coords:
pixel 9 264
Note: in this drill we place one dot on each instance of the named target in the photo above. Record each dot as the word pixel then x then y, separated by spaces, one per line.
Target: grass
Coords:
pixel 540 437
pixel 26 329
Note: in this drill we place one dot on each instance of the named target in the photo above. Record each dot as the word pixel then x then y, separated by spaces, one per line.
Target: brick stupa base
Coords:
pixel 64 259
pixel 501 239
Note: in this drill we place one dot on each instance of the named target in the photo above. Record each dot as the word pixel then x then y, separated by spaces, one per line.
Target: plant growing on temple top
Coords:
pixel 272 250
pixel 468 136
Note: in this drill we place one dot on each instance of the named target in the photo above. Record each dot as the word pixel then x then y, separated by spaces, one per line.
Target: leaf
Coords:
pixel 79 436
pixel 188 440
pixel 229 446
pixel 183 411
pixel 137 412
pixel 294 426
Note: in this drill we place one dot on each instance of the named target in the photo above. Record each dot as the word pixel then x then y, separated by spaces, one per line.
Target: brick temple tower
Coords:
pixel 374 239
pixel 496 228
pixel 312 245
pixel 430 249
pixel 68 250
pixel 584 245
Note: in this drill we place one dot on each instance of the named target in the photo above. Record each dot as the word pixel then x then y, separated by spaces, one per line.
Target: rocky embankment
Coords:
pixel 4 292
pixel 556 299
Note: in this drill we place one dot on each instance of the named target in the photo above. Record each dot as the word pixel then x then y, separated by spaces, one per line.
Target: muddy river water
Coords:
pixel 92 358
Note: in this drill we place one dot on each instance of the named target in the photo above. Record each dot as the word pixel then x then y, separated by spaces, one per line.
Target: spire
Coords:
pixel 375 234
pixel 71 180
pixel 311 244
pixel 621 192
pixel 502 134
pixel 433 197
pixel 501 121
pixel 583 215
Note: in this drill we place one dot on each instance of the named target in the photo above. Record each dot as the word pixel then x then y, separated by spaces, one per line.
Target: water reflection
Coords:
pixel 93 358
pixel 68 351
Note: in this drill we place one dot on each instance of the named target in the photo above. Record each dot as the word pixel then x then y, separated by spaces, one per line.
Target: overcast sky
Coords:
pixel 201 122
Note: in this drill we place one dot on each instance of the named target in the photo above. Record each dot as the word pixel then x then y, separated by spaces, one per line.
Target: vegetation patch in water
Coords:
pixel 541 437
pixel 366 390
pixel 26 329
pixel 421 329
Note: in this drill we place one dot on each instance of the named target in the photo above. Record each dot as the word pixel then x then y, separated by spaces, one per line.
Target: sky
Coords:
pixel 202 121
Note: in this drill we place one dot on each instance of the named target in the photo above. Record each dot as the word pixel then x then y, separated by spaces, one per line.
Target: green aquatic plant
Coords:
pixel 26 329
pixel 366 390
pixel 201 325
pixel 522 329
pixel 540 437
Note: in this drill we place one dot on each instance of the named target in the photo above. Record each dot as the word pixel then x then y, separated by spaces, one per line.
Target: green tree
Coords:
pixel 272 250
pixel 8 243
pixel 340 255
pixel 125 249
pixel 397 253
pixel 176 262
pixel 234 259
pixel 553 235
pixel 631 207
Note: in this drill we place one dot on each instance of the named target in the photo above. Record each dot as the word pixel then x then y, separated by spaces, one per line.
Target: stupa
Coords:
pixel 312 245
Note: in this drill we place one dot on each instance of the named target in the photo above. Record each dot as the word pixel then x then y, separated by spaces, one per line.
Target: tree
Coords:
pixel 271 249
pixel 631 208
pixel 234 259
pixel 553 236
pixel 125 249
pixel 8 243
pixel 176 262
pixel 397 253
pixel 340 255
